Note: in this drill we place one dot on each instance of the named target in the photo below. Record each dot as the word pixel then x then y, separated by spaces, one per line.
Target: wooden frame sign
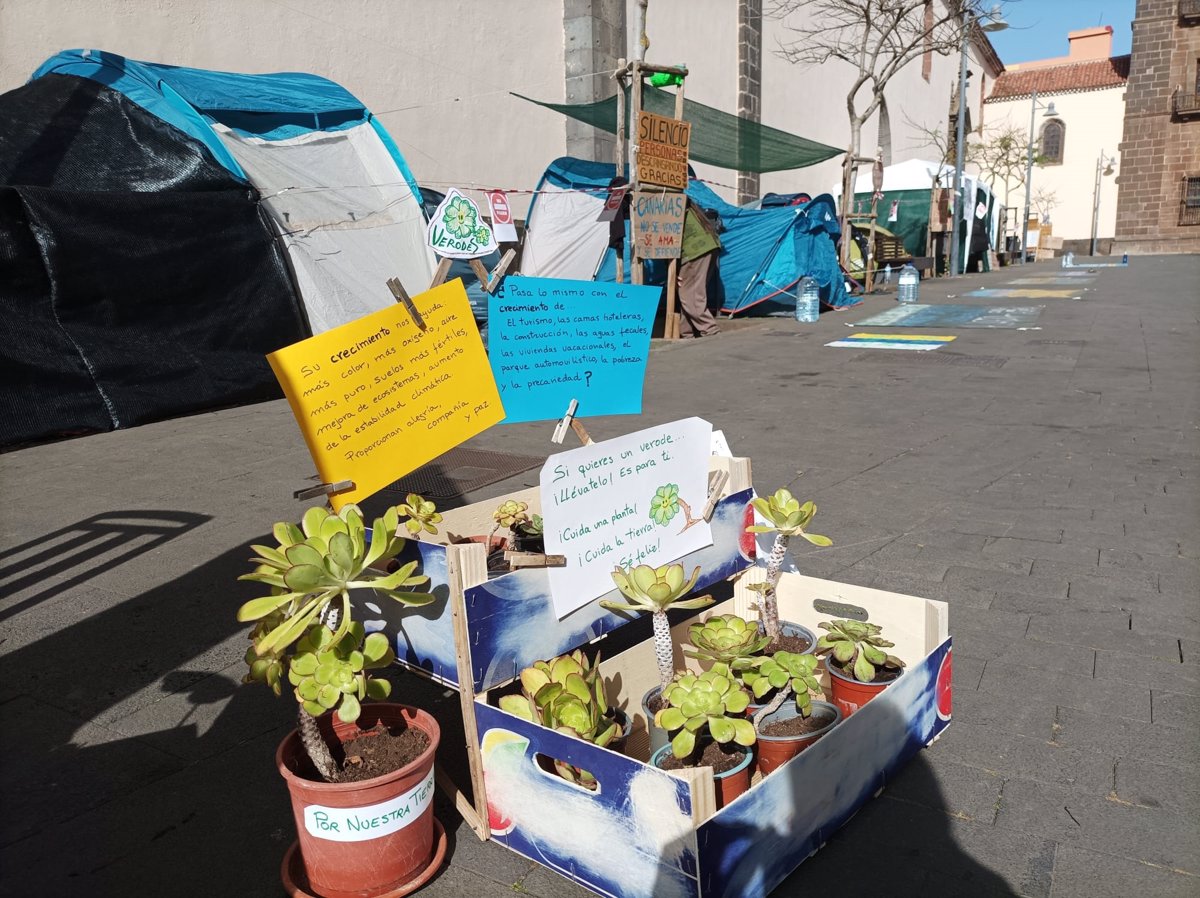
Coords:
pixel 662 156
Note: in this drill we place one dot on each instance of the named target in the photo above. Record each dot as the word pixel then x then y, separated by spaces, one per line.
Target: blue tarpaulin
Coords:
pixel 765 252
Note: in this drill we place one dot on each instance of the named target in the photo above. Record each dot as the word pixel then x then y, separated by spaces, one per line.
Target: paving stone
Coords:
pixel 1153 785
pixel 1175 708
pixel 1031 549
pixel 964 575
pixel 1014 648
pixel 961 790
pixel 1154 835
pixel 1183 625
pixel 1019 682
pixel 1124 738
pixel 1080 873
pixel 1101 630
pixel 968 670
pixel 989 749
pixel 1030 716
pixel 1020 603
pixel 1127 559
pixel 1134 581
pixel 1148 671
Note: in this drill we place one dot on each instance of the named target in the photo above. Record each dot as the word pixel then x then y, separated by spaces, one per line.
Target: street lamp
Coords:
pixel 1104 166
pixel 1049 113
pixel 991 22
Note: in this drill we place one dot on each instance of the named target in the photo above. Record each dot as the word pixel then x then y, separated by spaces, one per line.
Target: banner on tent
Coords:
pixel 657 224
pixel 457 230
pixel 551 341
pixel 379 397
pixel 662 153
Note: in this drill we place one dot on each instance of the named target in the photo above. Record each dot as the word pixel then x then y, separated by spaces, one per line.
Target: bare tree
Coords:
pixel 1044 200
pixel 1000 156
pixel 876 38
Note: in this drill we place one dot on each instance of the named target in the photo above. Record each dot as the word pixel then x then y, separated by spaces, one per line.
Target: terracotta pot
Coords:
pixel 773 751
pixel 729 784
pixel 365 839
pixel 847 693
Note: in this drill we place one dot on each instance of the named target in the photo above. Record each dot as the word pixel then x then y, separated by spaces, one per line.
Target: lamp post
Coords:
pixel 1033 108
pixel 1104 166
pixel 992 22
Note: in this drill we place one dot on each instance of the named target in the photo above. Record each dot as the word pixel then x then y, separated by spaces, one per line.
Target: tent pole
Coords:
pixel 636 273
pixel 671 326
pixel 619 150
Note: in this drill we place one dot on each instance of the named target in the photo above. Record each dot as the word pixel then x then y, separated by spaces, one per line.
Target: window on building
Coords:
pixel 1189 200
pixel 1054 134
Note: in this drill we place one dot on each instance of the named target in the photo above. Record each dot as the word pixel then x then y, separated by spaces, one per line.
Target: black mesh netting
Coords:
pixel 139 279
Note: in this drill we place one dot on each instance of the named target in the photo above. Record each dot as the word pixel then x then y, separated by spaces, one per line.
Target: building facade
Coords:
pixel 1158 210
pixel 1077 119
pixel 438 73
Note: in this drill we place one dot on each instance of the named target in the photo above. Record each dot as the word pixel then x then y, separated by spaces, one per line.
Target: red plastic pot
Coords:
pixel 849 694
pixel 729 784
pixel 774 751
pixel 367 839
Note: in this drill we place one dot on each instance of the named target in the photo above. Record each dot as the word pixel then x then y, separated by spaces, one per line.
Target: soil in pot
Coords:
pixel 378 751
pixel 792 638
pixel 796 726
pixel 882 675
pixel 715 755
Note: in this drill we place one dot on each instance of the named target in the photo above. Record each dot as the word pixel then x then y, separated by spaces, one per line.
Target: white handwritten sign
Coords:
pixel 632 500
pixel 456 230
pixel 372 821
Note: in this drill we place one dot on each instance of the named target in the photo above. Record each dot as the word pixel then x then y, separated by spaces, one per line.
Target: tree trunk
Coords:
pixel 770 605
pixel 314 744
pixel 784 691
pixel 849 170
pixel 662 649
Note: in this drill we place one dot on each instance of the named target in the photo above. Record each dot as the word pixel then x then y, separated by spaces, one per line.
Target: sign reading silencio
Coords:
pixel 662 157
pixel 370 822
pixel 656 222
pixel 457 231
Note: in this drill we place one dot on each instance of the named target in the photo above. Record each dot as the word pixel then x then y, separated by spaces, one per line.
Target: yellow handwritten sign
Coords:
pixel 377 398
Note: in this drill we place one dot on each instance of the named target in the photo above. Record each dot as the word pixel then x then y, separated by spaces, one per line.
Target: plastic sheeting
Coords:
pixel 347 216
pixel 139 279
pixel 563 238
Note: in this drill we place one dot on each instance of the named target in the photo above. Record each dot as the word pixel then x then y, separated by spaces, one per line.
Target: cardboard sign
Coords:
pixel 456 230
pixel 662 156
pixel 377 397
pixel 612 205
pixel 656 220
pixel 503 227
pixel 633 500
pixel 551 341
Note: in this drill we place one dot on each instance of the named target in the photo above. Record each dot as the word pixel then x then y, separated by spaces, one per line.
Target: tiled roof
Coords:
pixel 1095 74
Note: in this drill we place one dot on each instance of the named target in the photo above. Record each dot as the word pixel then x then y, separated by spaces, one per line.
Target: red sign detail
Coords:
pixel 944 689
pixel 501 213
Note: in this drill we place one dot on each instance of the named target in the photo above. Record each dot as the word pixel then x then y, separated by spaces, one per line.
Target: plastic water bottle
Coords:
pixel 887 273
pixel 909 285
pixel 1069 260
pixel 1124 258
pixel 808 303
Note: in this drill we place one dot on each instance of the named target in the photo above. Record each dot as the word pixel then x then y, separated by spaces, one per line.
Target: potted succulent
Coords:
pixel 337 760
pixel 726 639
pixel 524 528
pixel 566 694
pixel 704 714
pixel 655 590
pixel 420 515
pixel 786 518
pixel 859 668
pixel 784 731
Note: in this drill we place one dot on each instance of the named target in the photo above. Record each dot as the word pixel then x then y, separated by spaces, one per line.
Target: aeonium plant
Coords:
pixel 858 649
pixel 709 701
pixel 788 673
pixel 726 639
pixel 655 590
pixel 303 630
pixel 786 518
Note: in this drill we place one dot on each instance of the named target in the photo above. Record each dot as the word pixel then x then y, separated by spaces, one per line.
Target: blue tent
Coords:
pixel 765 252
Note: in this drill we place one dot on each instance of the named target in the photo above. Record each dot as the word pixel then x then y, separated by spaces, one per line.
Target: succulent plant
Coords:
pixel 532 527
pixel 566 694
pixel 790 674
pixel 857 648
pixel 655 590
pixel 725 638
pixel 704 701
pixel 306 618
pixel 422 514
pixel 786 518
pixel 511 513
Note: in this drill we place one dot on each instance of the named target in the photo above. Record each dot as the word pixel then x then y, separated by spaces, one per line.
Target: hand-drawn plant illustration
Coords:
pixel 482 235
pixel 665 504
pixel 460 217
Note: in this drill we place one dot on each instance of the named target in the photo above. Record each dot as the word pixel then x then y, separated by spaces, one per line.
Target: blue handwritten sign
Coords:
pixel 551 341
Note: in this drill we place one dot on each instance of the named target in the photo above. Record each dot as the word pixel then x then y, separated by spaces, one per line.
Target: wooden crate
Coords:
pixel 645 832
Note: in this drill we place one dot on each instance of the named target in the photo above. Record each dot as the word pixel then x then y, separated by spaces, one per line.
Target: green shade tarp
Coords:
pixel 718 138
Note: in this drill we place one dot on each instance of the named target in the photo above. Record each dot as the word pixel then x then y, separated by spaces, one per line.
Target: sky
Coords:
pixel 1038 28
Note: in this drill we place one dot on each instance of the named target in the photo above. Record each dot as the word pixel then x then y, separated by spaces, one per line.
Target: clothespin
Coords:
pixel 323 489
pixel 716 483
pixel 534 559
pixel 569 420
pixel 402 297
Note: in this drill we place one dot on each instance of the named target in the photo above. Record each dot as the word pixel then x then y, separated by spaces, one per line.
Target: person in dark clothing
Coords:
pixel 697 269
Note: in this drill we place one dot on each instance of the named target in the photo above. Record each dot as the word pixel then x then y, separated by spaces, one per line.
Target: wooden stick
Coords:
pixel 323 489
pixel 439 276
pixel 466 565
pixel 637 269
pixel 581 432
pixel 534 559
pixel 481 272
pixel 670 324
pixel 500 270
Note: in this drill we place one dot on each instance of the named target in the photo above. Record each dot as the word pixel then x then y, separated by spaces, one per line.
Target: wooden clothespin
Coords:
pixel 534 559
pixel 402 297
pixel 716 483
pixel 569 420
pixel 323 489
pixel 443 271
